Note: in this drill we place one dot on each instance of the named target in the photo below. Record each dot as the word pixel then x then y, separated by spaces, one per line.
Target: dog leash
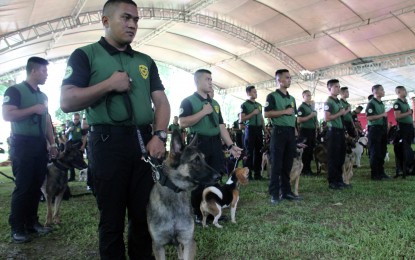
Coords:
pixel 157 168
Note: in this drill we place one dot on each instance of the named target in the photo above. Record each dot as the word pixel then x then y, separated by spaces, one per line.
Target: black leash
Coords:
pixel 8 177
pixel 157 168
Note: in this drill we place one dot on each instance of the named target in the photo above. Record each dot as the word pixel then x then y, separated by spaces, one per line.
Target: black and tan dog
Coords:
pixel 349 160
pixel 56 181
pixel 216 198
pixel 169 214
pixel 297 167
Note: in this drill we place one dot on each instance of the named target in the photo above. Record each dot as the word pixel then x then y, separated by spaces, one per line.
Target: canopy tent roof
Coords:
pixel 242 42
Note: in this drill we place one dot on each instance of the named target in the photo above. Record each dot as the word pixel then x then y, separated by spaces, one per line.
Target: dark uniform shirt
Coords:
pixel 208 125
pixel 333 105
pixel 94 63
pixel 303 111
pixel 403 106
pixel 346 117
pixel 376 107
pixel 247 108
pixel 279 101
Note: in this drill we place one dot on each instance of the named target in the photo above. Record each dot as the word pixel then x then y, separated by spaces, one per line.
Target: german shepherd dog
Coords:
pixel 297 167
pixel 56 181
pixel 169 214
pixel 320 156
pixel 216 198
pixel 349 160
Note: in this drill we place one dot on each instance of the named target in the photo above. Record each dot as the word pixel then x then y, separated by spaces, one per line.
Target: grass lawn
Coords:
pixel 373 220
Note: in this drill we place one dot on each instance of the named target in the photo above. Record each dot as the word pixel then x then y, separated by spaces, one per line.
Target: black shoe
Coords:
pixel 335 186
pixel 291 196
pixel 385 177
pixel 20 237
pixel 344 185
pixel 39 229
pixel 275 200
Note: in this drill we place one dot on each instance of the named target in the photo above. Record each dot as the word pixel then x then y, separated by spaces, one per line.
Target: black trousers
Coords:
pixel 253 143
pixel 310 135
pixel 29 159
pixel 283 147
pixel 351 131
pixel 122 183
pixel 406 132
pixel 336 153
pixel 211 147
pixel 377 148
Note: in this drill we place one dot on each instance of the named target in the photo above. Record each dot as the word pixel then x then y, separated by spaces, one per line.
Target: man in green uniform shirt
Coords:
pixel 251 116
pixel 347 118
pixel 202 116
pixel 336 144
pixel 280 107
pixel 308 123
pixel 403 115
pixel 77 136
pixel 377 125
pixel 119 88
pixel 25 106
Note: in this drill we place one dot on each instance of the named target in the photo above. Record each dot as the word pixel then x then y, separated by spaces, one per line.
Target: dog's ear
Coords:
pixel 176 143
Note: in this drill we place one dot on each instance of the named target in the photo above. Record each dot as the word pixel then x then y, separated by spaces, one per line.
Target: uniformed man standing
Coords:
pixel 77 136
pixel 308 123
pixel 119 88
pixel 347 118
pixel 251 116
pixel 356 121
pixel 403 115
pixel 281 108
pixel 174 126
pixel 377 125
pixel 25 106
pixel 336 144
pixel 202 116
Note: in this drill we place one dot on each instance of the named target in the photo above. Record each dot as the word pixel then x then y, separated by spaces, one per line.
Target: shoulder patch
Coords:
pixel 300 113
pixel 266 104
pixel 181 111
pixel 68 72
pixel 396 106
pixel 370 110
pixel 6 99
pixel 326 107
pixel 217 109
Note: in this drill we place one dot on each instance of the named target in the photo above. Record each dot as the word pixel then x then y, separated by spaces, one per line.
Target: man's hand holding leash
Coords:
pixel 156 147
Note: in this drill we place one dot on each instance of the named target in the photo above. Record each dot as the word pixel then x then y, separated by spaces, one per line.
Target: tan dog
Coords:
pixel 349 160
pixel 297 168
pixel 216 198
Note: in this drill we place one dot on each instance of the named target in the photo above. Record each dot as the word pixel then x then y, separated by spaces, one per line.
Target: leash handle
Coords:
pixel 155 166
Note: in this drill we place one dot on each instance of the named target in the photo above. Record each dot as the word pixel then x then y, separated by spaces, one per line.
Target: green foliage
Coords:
pixel 373 220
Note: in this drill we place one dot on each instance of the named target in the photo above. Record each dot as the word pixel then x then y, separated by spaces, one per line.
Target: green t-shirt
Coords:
pixel 305 110
pixel 247 107
pixel 346 117
pixel 280 101
pixel 376 107
pixel 403 106
pixel 76 134
pixel 173 127
pixel 333 105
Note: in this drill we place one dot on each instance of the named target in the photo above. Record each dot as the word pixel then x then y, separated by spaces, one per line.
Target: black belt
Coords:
pixel 335 129
pixel 205 137
pixel 115 129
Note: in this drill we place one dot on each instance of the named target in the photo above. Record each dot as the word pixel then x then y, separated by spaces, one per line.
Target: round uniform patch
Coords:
pixel 68 72
pixel 266 104
pixel 6 99
pixel 300 113
pixel 181 111
pixel 242 110
pixel 326 107
pixel 396 106
pixel 370 110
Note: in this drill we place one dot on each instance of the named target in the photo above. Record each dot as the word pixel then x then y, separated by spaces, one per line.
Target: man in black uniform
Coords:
pixel 202 115
pixel 25 106
pixel 251 116
pixel 307 120
pixel 117 86
pixel 281 108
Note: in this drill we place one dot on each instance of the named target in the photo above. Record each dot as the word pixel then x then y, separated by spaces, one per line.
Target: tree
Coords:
pixel 62 116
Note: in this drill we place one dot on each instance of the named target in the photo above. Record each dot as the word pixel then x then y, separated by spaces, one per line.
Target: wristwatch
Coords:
pixel 162 135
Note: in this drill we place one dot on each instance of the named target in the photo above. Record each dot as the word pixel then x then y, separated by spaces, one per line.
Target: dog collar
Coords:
pixel 362 144
pixel 164 181
pixel 59 165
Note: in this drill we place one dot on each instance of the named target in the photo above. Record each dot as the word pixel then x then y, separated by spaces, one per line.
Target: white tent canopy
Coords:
pixel 242 42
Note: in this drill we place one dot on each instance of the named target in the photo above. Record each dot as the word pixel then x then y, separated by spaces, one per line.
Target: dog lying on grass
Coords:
pixel 56 181
pixel 169 214
pixel 214 198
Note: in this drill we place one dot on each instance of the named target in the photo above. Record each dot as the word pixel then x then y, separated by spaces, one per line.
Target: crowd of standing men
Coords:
pixel 124 101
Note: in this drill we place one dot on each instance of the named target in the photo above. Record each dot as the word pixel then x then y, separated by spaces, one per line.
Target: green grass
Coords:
pixel 374 220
